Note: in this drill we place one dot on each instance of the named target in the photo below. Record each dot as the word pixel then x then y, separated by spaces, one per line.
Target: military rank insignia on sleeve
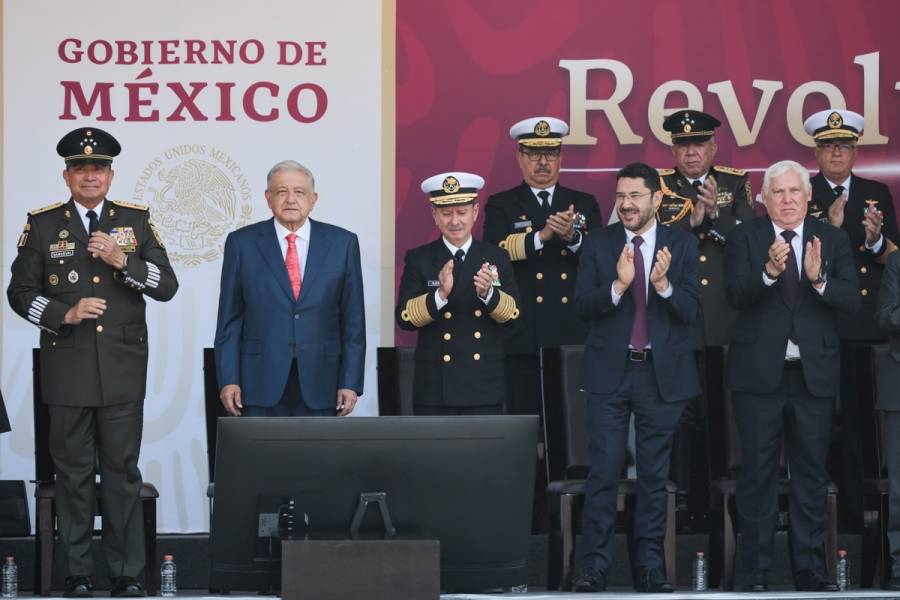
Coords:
pixel 23 239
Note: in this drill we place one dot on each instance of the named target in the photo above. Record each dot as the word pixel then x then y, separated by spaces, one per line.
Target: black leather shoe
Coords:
pixel 810 581
pixel 127 587
pixel 78 586
pixel 589 579
pixel 893 584
pixel 653 581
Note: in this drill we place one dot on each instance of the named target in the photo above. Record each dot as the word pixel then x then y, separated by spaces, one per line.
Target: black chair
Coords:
pixel 45 492
pixel 213 409
pixel 723 541
pixel 567 441
pixel 395 378
pixel 876 554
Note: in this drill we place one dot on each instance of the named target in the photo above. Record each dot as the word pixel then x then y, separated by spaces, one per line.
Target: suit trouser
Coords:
pixel 79 436
pixel 891 436
pixel 291 403
pixel 805 422
pixel 608 417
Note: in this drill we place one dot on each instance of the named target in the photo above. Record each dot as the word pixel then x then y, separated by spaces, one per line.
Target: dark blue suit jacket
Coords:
pixel 668 319
pixel 259 321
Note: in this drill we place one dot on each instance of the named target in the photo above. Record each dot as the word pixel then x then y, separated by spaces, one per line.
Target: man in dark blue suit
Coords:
pixel 291 331
pixel 637 286
pixel 789 276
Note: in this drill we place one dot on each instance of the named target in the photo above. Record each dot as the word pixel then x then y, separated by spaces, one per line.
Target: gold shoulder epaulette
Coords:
pixel 664 172
pixel 130 205
pixel 730 171
pixel 38 211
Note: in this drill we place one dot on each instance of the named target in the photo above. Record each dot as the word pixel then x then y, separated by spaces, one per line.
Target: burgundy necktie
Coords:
pixel 640 334
pixel 292 262
pixel 791 273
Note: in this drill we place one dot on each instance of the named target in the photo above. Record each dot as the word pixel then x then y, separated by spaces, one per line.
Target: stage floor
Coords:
pixel 626 593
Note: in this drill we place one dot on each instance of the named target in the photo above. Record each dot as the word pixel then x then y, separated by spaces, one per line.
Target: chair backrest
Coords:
pixel 43 462
pixel 396 367
pixel 213 407
pixel 882 365
pixel 566 412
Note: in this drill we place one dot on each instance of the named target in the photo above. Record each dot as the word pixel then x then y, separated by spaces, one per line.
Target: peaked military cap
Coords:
pixel 688 126
pixel 88 144
pixel 834 124
pixel 539 132
pixel 452 189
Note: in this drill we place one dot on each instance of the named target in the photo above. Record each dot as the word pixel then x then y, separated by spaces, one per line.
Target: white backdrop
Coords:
pixel 183 168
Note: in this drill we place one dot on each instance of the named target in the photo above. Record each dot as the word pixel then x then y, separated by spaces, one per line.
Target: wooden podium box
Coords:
pixel 370 569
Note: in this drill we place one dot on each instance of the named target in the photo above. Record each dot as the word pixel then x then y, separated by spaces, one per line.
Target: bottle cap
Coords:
pixel 167 557
pixel 9 558
pixel 699 554
pixel 842 553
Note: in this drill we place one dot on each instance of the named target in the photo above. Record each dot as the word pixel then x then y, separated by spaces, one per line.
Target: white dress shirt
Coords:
pixel 465 248
pixel 538 244
pixel 874 248
pixel 83 211
pixel 648 249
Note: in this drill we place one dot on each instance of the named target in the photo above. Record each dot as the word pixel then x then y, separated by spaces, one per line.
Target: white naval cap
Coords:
pixel 539 132
pixel 834 124
pixel 452 189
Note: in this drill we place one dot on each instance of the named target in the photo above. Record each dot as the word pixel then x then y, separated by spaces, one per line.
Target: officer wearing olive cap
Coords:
pixel 82 271
pixel 458 293
pixel 709 201
pixel 865 210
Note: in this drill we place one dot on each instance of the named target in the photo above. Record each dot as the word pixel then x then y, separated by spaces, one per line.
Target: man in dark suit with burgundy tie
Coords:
pixel 637 286
pixel 291 331
pixel 789 276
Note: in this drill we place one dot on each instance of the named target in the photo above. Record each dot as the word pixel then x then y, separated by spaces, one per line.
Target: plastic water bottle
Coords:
pixel 167 586
pixel 699 576
pixel 10 578
pixel 843 571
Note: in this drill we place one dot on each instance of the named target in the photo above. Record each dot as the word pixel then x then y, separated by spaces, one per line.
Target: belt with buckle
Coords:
pixel 639 355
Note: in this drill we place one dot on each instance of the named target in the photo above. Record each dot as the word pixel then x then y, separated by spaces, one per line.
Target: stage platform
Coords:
pixel 612 594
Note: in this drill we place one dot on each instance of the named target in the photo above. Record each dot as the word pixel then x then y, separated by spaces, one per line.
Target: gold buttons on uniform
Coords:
pixel 478 312
pixel 863 270
pixel 99 328
pixel 477 335
pixel 565 300
pixel 702 258
pixel 704 281
pixel 563 276
pixel 448 315
pixel 862 248
pixel 446 358
pixel 539 275
pixel 476 356
pixel 702 236
pixel 447 336
pixel 864 292
pixel 539 299
pixel 564 252
pixel 528 230
pixel 96 279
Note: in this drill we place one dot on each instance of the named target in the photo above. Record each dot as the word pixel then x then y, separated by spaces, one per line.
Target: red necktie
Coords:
pixel 292 262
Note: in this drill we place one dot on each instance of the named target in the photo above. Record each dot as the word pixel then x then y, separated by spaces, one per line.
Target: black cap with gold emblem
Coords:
pixel 690 126
pixel 452 189
pixel 88 144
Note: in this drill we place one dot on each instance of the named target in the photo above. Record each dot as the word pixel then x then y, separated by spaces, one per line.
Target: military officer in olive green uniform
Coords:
pixel 81 273
pixel 709 201
pixel 458 293
pixel 865 209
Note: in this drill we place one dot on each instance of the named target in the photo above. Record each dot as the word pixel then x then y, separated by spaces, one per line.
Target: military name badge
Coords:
pixel 125 238
pixel 521 224
pixel 495 275
pixel 433 283
pixel 62 249
pixel 73 276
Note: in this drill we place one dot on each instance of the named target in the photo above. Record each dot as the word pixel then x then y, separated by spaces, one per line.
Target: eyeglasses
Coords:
pixel 536 155
pixel 633 196
pixel 837 147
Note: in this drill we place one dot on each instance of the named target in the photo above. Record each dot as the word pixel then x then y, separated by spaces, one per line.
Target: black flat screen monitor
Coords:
pixel 465 481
